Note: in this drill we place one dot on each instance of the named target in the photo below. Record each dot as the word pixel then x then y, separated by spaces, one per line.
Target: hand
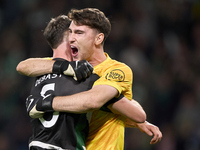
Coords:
pixel 151 130
pixel 31 102
pixel 35 113
pixel 80 70
pixel 42 105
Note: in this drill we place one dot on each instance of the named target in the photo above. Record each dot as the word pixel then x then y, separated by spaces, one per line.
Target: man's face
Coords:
pixel 81 39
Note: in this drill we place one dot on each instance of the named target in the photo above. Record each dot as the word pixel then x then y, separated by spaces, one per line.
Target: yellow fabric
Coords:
pixel 107 129
pixel 48 58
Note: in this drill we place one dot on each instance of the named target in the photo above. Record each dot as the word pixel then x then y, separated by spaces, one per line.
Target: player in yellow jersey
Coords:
pixel 107 129
pixel 88 30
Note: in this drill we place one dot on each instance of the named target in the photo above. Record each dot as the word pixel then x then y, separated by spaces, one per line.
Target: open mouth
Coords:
pixel 74 50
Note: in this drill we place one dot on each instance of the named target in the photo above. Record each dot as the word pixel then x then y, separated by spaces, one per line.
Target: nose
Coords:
pixel 71 38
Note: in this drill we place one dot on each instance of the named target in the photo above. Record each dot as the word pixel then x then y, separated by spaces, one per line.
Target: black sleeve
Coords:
pixel 105 106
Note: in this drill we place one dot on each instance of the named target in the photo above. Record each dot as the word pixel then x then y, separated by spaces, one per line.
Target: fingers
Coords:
pixel 147 131
pixel 145 127
pixel 151 130
pixel 83 70
pixel 157 135
pixel 89 66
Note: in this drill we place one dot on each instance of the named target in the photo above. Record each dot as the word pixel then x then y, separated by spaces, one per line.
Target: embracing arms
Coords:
pixel 92 100
pixel 84 101
pixel 34 67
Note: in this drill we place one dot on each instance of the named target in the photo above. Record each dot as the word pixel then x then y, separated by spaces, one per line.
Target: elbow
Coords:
pixel 141 117
pixel 144 118
pixel 23 69
pixel 20 67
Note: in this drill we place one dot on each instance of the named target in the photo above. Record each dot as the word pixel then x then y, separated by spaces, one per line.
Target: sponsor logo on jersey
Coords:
pixel 116 75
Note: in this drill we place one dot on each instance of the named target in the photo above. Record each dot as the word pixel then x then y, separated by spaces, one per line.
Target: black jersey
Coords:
pixel 58 130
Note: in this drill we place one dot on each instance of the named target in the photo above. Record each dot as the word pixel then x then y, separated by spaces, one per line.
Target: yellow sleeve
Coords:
pixel 119 76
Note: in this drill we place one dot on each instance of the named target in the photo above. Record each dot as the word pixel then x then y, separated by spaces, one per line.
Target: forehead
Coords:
pixel 73 26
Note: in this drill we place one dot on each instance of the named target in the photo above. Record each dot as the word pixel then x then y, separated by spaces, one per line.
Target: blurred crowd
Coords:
pixel 159 40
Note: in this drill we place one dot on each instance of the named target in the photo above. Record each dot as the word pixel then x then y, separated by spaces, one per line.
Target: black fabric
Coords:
pixel 59 129
pixel 105 106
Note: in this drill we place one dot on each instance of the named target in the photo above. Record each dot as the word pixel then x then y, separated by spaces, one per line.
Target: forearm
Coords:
pixel 33 67
pixel 72 104
pixel 85 101
pixel 130 124
pixel 129 109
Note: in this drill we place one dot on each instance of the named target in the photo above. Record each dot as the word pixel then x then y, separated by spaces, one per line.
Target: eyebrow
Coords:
pixel 77 30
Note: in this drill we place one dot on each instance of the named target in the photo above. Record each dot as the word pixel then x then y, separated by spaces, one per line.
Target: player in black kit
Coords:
pixel 59 130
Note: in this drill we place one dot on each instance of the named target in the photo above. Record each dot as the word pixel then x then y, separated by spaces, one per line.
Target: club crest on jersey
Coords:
pixel 115 75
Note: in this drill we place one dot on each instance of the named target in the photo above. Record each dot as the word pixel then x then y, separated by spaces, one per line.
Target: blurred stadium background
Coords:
pixel 158 39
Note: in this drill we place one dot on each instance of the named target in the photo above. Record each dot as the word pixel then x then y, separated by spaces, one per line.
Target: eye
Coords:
pixel 70 31
pixel 79 32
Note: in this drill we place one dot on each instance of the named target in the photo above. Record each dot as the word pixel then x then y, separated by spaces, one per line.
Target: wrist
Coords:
pixel 45 104
pixel 57 66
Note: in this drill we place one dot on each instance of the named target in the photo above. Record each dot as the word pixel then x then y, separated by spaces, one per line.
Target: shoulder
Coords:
pixel 120 68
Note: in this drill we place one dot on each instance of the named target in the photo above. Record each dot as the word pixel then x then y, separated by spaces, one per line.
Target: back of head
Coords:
pixel 55 30
pixel 92 17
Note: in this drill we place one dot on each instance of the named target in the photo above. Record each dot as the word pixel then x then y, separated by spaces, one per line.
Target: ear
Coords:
pixel 99 38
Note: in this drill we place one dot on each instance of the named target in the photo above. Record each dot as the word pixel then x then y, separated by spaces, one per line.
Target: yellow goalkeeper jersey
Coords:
pixel 106 130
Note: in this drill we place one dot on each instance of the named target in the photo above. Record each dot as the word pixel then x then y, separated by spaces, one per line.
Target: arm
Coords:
pixel 33 67
pixel 129 109
pixel 134 115
pixel 85 101
pixel 92 100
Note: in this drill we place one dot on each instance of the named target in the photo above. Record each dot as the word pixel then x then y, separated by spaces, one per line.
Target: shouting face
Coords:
pixel 82 41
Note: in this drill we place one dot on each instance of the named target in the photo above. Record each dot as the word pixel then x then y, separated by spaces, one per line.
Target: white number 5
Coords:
pixel 50 123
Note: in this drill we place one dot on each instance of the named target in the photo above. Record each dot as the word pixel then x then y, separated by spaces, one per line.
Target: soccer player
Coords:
pixel 59 130
pixel 86 38
pixel 87 33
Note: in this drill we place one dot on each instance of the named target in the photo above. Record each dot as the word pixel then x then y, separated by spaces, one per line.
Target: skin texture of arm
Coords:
pixel 33 67
pixel 82 102
pixel 95 99
pixel 129 109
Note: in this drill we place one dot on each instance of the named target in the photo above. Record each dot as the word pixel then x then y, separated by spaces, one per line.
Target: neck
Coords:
pixel 58 53
pixel 98 57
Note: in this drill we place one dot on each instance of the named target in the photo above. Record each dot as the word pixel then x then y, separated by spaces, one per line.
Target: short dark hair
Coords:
pixel 92 17
pixel 55 29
